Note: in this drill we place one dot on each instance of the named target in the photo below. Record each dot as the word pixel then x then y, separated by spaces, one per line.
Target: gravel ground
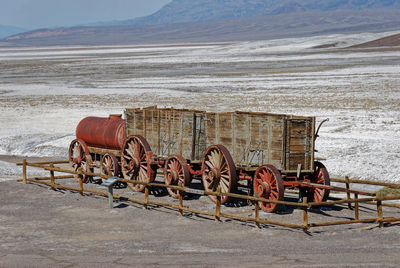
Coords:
pixel 41 227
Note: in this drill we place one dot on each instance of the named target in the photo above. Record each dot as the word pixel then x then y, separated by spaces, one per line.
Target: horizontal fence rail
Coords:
pixel 305 205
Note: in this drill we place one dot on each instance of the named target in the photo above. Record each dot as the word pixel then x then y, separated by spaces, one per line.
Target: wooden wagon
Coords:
pixel 269 151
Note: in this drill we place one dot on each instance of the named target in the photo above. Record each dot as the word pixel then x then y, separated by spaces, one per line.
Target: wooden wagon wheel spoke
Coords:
pixel 225 186
pixel 136 161
pixel 76 151
pixel 212 159
pixel 209 165
pixel 218 169
pixel 268 184
pixel 176 171
pixel 79 158
pixel 320 176
pixel 109 165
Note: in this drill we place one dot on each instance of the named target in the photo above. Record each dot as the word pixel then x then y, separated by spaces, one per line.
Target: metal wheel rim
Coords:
pixel 268 174
pixel 136 147
pixel 178 164
pixel 218 157
pixel 79 157
pixel 109 165
pixel 320 176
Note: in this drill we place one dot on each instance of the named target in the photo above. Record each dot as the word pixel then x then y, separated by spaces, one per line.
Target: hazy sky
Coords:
pixel 32 14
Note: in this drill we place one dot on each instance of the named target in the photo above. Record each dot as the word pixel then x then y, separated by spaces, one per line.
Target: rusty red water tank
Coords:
pixel 102 132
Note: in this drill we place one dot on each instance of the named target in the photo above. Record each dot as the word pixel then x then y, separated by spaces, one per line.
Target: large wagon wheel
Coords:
pixel 268 184
pixel 79 157
pixel 218 169
pixel 176 171
pixel 320 176
pixel 109 165
pixel 136 161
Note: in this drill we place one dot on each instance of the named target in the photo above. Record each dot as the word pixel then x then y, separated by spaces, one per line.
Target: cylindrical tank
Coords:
pixel 102 132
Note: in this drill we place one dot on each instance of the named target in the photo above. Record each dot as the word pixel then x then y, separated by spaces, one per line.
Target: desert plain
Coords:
pixel 46 91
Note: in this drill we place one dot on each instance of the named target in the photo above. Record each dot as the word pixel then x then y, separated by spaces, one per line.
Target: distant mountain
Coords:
pixel 6 30
pixel 179 11
pixel 183 21
pixel 388 41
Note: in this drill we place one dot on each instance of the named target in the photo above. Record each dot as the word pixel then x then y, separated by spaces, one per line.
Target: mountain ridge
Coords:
pixel 7 30
pixel 178 11
pixel 244 20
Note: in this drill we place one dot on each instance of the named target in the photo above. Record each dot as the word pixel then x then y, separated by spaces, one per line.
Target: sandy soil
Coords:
pixel 41 227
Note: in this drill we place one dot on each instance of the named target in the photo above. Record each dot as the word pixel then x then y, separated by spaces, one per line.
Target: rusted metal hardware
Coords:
pixel 264 149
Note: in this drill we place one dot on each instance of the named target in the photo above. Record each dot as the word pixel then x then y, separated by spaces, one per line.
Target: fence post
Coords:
pixel 52 176
pixel 305 214
pixel 146 194
pixel 380 212
pixel 348 188
pixel 257 213
pixel 180 199
pixel 356 213
pixel 24 170
pixel 218 205
pixel 80 170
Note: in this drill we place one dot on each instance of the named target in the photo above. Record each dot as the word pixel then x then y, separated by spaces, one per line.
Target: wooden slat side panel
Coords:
pixel 151 128
pixel 275 140
pixel 299 146
pixel 211 136
pixel 258 139
pixel 135 123
pixel 201 137
pixel 239 153
pixel 187 134
pixel 164 132
pixel 225 130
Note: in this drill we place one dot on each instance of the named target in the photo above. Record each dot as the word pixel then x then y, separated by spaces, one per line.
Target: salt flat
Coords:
pixel 46 91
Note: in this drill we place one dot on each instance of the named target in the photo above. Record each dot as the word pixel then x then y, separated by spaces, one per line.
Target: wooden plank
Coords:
pixel 102 151
pixel 47 162
pixel 194 123
pixel 393 185
pixel 158 132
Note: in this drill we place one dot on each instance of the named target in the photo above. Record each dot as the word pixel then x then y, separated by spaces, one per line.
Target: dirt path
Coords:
pixel 41 227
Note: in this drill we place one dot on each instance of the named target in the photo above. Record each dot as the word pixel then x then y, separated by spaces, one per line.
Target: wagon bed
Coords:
pixel 253 139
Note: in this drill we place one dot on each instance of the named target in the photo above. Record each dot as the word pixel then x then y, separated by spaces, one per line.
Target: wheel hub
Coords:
pixel 174 176
pixel 135 163
pixel 77 160
pixel 214 175
pixel 264 189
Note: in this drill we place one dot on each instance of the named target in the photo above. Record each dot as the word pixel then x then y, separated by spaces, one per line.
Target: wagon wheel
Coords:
pixel 136 161
pixel 79 157
pixel 109 165
pixel 268 184
pixel 320 176
pixel 176 171
pixel 218 169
